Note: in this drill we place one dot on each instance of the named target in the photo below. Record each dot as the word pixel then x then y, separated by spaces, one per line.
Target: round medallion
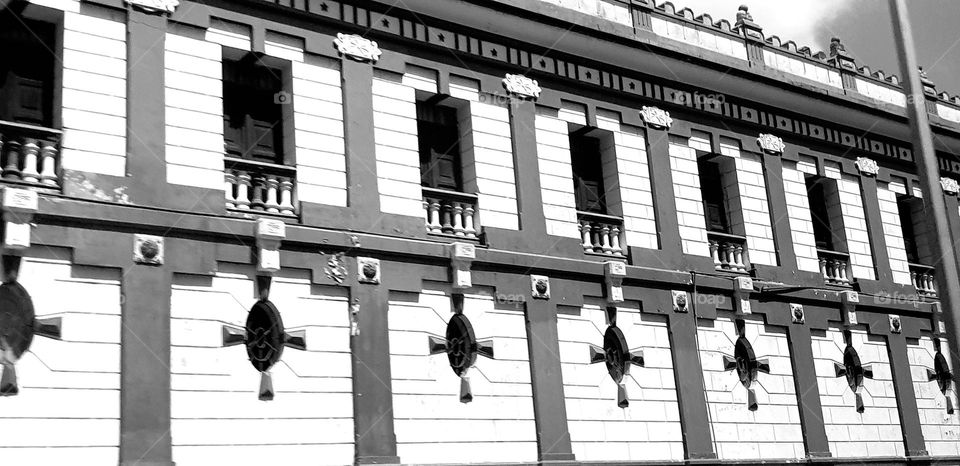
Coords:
pixel 541 286
pixel 617 353
pixel 369 271
pixel 942 371
pixel 265 335
pixel 853 366
pixel 461 344
pixel 746 361
pixel 149 249
pixel 16 320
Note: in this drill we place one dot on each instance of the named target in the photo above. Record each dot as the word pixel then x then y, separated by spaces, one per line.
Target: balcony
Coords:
pixel 835 267
pixel 451 213
pixel 30 155
pixel 729 252
pixel 602 234
pixel 924 279
pixel 258 187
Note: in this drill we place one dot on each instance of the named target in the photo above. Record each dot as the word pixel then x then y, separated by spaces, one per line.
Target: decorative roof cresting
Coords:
pixel 155 6
pixel 771 144
pixel 522 86
pixel 357 47
pixel 656 117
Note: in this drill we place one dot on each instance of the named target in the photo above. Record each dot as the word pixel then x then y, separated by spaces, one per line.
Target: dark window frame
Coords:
pixel 586 163
pixel 28 71
pixel 438 139
pixel 252 117
pixel 716 204
pixel 823 229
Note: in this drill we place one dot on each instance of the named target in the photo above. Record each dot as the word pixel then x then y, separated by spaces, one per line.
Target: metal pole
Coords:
pixel 928 170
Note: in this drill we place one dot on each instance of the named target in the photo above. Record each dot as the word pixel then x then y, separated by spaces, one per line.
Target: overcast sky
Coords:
pixel 862 25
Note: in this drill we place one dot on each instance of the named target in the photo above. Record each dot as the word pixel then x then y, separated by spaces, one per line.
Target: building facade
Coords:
pixel 460 231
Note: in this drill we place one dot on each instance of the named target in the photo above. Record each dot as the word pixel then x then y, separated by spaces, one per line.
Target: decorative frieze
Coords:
pixel 949 185
pixel 522 86
pixel 155 6
pixel 771 144
pixel 148 250
pixel 656 117
pixel 357 47
pixel 867 167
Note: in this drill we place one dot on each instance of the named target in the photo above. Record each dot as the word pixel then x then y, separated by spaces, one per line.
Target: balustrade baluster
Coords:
pixel 30 151
pixel 258 193
pixel 11 166
pixel 244 185
pixel 605 240
pixel 468 221
pixel 615 240
pixel 434 215
pixel 48 160
pixel 270 203
pixel 738 258
pixel 458 219
pixel 286 197
pixel 586 234
pixel 447 214
pixel 229 181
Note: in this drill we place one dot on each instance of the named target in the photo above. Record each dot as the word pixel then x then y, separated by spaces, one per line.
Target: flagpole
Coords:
pixel 948 280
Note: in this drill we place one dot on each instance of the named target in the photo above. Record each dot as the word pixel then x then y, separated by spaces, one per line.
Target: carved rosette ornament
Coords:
pixel 155 6
pixel 867 166
pixel 357 47
pixel 656 117
pixel 949 185
pixel 771 144
pixel 522 86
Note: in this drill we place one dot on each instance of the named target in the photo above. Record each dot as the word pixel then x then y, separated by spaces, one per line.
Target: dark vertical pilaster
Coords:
pixel 146 160
pixel 665 204
pixel 878 242
pixel 376 440
pixel 527 168
pixel 695 422
pixel 145 367
pixel 808 393
pixel 362 193
pixel 549 405
pixel 777 200
pixel 906 397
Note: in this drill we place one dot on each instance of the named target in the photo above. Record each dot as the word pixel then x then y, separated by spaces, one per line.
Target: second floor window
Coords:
pixel 439 137
pixel 587 174
pixel 26 71
pixel 252 119
pixel 714 196
pixel 820 193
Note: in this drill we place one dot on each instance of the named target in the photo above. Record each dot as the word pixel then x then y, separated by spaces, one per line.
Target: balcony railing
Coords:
pixel 923 279
pixel 451 213
pixel 835 267
pixel 602 234
pixel 30 155
pixel 259 187
pixel 729 252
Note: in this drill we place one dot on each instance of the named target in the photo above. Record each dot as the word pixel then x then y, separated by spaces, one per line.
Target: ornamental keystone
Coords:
pixel 357 47
pixel 656 117
pixel 867 166
pixel 155 6
pixel 522 86
pixel 771 144
pixel 949 185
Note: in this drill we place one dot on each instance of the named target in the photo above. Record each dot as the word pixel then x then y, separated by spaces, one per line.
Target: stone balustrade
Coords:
pixel 602 234
pixel 30 155
pixel 835 267
pixel 729 252
pixel 924 279
pixel 451 213
pixel 258 187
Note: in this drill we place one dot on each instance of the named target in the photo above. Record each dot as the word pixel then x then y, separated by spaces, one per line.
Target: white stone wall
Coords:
pixel 700 38
pixel 68 409
pixel 605 9
pixel 948 113
pixel 487 150
pixel 798 211
pixel 854 222
pixel 753 206
pixel 627 176
pixel 881 93
pixel 65 5
pixel 941 431
pixel 215 408
pixel 319 133
pixel 876 432
pixel 893 232
pixel 397 146
pixel 94 93
pixel 194 112
pixel 649 429
pixel 796 66
pixel 432 425
pixel 556 174
pixel 772 431
pixel 686 190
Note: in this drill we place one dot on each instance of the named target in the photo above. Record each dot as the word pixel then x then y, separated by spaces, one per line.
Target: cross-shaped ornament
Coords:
pixel 943 375
pixel 854 370
pixel 461 346
pixel 745 362
pixel 618 359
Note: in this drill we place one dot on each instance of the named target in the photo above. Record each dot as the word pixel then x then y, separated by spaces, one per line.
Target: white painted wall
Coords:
pixel 893 231
pixel 68 409
pixel 556 173
pixel 214 405
pixel 772 431
pixel 432 425
pixel 698 37
pixel 876 432
pixel 605 9
pixel 397 147
pixel 319 132
pixel 798 211
pixel 686 191
pixel 649 429
pixel 94 92
pixel 796 66
pixel 948 113
pixel 941 431
pixel 880 92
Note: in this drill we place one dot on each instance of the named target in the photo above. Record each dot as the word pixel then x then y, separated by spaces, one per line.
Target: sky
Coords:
pixel 863 26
